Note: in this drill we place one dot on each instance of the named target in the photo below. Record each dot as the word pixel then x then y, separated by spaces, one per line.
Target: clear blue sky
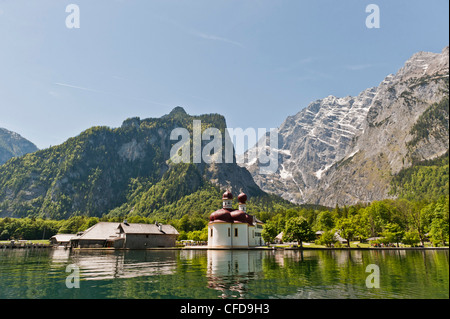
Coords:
pixel 254 61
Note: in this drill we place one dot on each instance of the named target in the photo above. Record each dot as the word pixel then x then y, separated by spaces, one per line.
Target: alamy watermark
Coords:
pixel 373 280
pixel 221 150
pixel 373 19
pixel 73 279
pixel 73 19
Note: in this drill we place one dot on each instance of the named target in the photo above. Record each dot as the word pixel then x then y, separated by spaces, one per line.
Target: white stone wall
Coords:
pixel 239 234
pixel 218 235
pixel 224 235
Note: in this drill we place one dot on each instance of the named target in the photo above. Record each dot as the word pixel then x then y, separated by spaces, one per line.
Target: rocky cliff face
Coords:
pixel 12 145
pixel 345 150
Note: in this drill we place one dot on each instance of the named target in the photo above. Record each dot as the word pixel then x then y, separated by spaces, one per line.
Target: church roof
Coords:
pixel 222 216
pixel 240 216
pixel 225 215
pixel 227 195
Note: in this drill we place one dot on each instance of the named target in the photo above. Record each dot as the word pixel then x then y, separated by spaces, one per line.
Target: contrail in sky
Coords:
pixel 107 93
pixel 79 88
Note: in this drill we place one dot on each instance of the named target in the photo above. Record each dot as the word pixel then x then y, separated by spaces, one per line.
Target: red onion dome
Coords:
pixel 239 216
pixel 242 198
pixel 221 215
pixel 227 195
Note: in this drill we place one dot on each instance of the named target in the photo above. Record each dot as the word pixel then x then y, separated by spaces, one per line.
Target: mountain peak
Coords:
pixel 424 64
pixel 336 143
pixel 13 145
pixel 178 110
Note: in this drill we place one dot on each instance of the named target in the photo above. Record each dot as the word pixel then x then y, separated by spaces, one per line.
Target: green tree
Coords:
pixel 182 235
pixel 411 238
pixel 204 234
pixel 72 225
pixel 328 238
pixel 347 229
pixel 269 231
pixel 325 221
pixel 361 224
pixel 183 224
pixel 393 233
pixel 198 235
pixel 421 221
pixel 377 215
pixel 337 212
pixel 280 221
pixel 439 228
pixel 439 231
pixel 298 229
pixel 194 235
pixel 89 223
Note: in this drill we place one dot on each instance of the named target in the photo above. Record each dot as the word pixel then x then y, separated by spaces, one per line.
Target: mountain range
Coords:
pixel 335 151
pixel 121 171
pixel 348 150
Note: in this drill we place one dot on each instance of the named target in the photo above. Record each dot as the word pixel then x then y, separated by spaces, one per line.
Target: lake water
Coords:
pixel 41 273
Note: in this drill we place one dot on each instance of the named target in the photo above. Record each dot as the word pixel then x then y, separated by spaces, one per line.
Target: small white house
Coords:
pixel 279 238
pixel 230 228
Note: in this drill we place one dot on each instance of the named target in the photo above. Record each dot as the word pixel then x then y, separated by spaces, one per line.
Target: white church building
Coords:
pixel 230 228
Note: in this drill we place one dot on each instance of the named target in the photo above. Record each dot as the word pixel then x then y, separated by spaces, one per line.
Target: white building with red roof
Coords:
pixel 230 228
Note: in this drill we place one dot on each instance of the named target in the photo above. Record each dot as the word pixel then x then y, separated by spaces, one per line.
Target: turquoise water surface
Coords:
pixel 44 273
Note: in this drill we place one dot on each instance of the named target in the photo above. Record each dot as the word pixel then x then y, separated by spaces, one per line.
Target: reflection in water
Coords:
pixel 231 270
pixel 101 265
pixel 223 274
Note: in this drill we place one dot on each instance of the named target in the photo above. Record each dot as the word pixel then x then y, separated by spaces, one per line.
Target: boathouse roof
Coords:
pixel 107 230
pixel 101 231
pixel 152 229
pixel 63 238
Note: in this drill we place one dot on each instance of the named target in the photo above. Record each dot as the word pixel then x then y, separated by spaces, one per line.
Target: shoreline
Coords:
pixel 267 248
pixel 320 248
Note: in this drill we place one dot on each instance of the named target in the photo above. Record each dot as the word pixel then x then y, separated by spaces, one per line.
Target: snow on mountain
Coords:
pixel 333 131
